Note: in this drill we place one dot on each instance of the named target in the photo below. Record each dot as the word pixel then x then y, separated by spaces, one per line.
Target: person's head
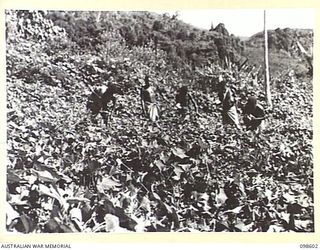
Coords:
pixel 251 103
pixel 146 82
pixel 220 79
pixel 221 87
pixel 184 89
pixel 115 89
pixel 101 89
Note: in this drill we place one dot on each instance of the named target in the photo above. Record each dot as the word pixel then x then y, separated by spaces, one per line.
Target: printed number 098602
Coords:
pixel 314 246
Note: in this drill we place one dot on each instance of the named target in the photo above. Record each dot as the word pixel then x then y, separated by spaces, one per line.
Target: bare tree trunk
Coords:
pixel 266 64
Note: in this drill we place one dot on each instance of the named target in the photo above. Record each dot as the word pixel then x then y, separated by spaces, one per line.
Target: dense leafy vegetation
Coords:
pixel 67 173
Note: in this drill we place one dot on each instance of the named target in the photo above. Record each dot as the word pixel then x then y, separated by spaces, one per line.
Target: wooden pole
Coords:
pixel 266 64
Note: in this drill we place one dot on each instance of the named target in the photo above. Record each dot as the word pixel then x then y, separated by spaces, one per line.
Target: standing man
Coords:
pixel 102 100
pixel 184 99
pixel 148 100
pixel 254 114
pixel 227 98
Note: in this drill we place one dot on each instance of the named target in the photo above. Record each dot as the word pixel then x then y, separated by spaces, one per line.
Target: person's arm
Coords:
pixel 161 92
pixel 253 118
pixel 114 101
pixel 228 100
pixel 142 101
pixel 261 115
pixel 193 103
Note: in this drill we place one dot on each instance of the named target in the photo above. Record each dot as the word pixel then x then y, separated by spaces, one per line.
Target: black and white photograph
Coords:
pixel 197 120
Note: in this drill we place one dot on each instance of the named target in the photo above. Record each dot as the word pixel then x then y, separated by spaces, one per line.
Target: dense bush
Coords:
pixel 66 173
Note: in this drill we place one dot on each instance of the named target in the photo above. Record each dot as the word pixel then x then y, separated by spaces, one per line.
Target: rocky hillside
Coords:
pixel 284 40
pixel 182 43
pixel 284 52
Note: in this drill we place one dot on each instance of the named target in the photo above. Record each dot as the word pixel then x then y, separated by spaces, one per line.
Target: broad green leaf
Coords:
pixel 13 178
pixel 76 199
pixel 51 192
pixel 185 167
pixel 108 183
pixel 243 227
pixel 303 225
pixel 290 198
pixel 276 228
pixel 16 199
pixel 11 213
pixel 45 176
pixel 160 165
pixel 75 214
pixel 235 210
pixel 112 223
pixel 27 223
pixel 285 216
pixel 179 153
pixel 221 197
pixel 145 204
pixel 178 171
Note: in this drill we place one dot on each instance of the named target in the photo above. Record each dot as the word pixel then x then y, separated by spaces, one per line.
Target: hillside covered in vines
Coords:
pixel 66 173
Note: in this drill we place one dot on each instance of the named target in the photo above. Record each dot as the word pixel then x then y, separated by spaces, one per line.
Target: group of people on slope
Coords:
pixel 99 102
pixel 148 100
pixel 253 113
